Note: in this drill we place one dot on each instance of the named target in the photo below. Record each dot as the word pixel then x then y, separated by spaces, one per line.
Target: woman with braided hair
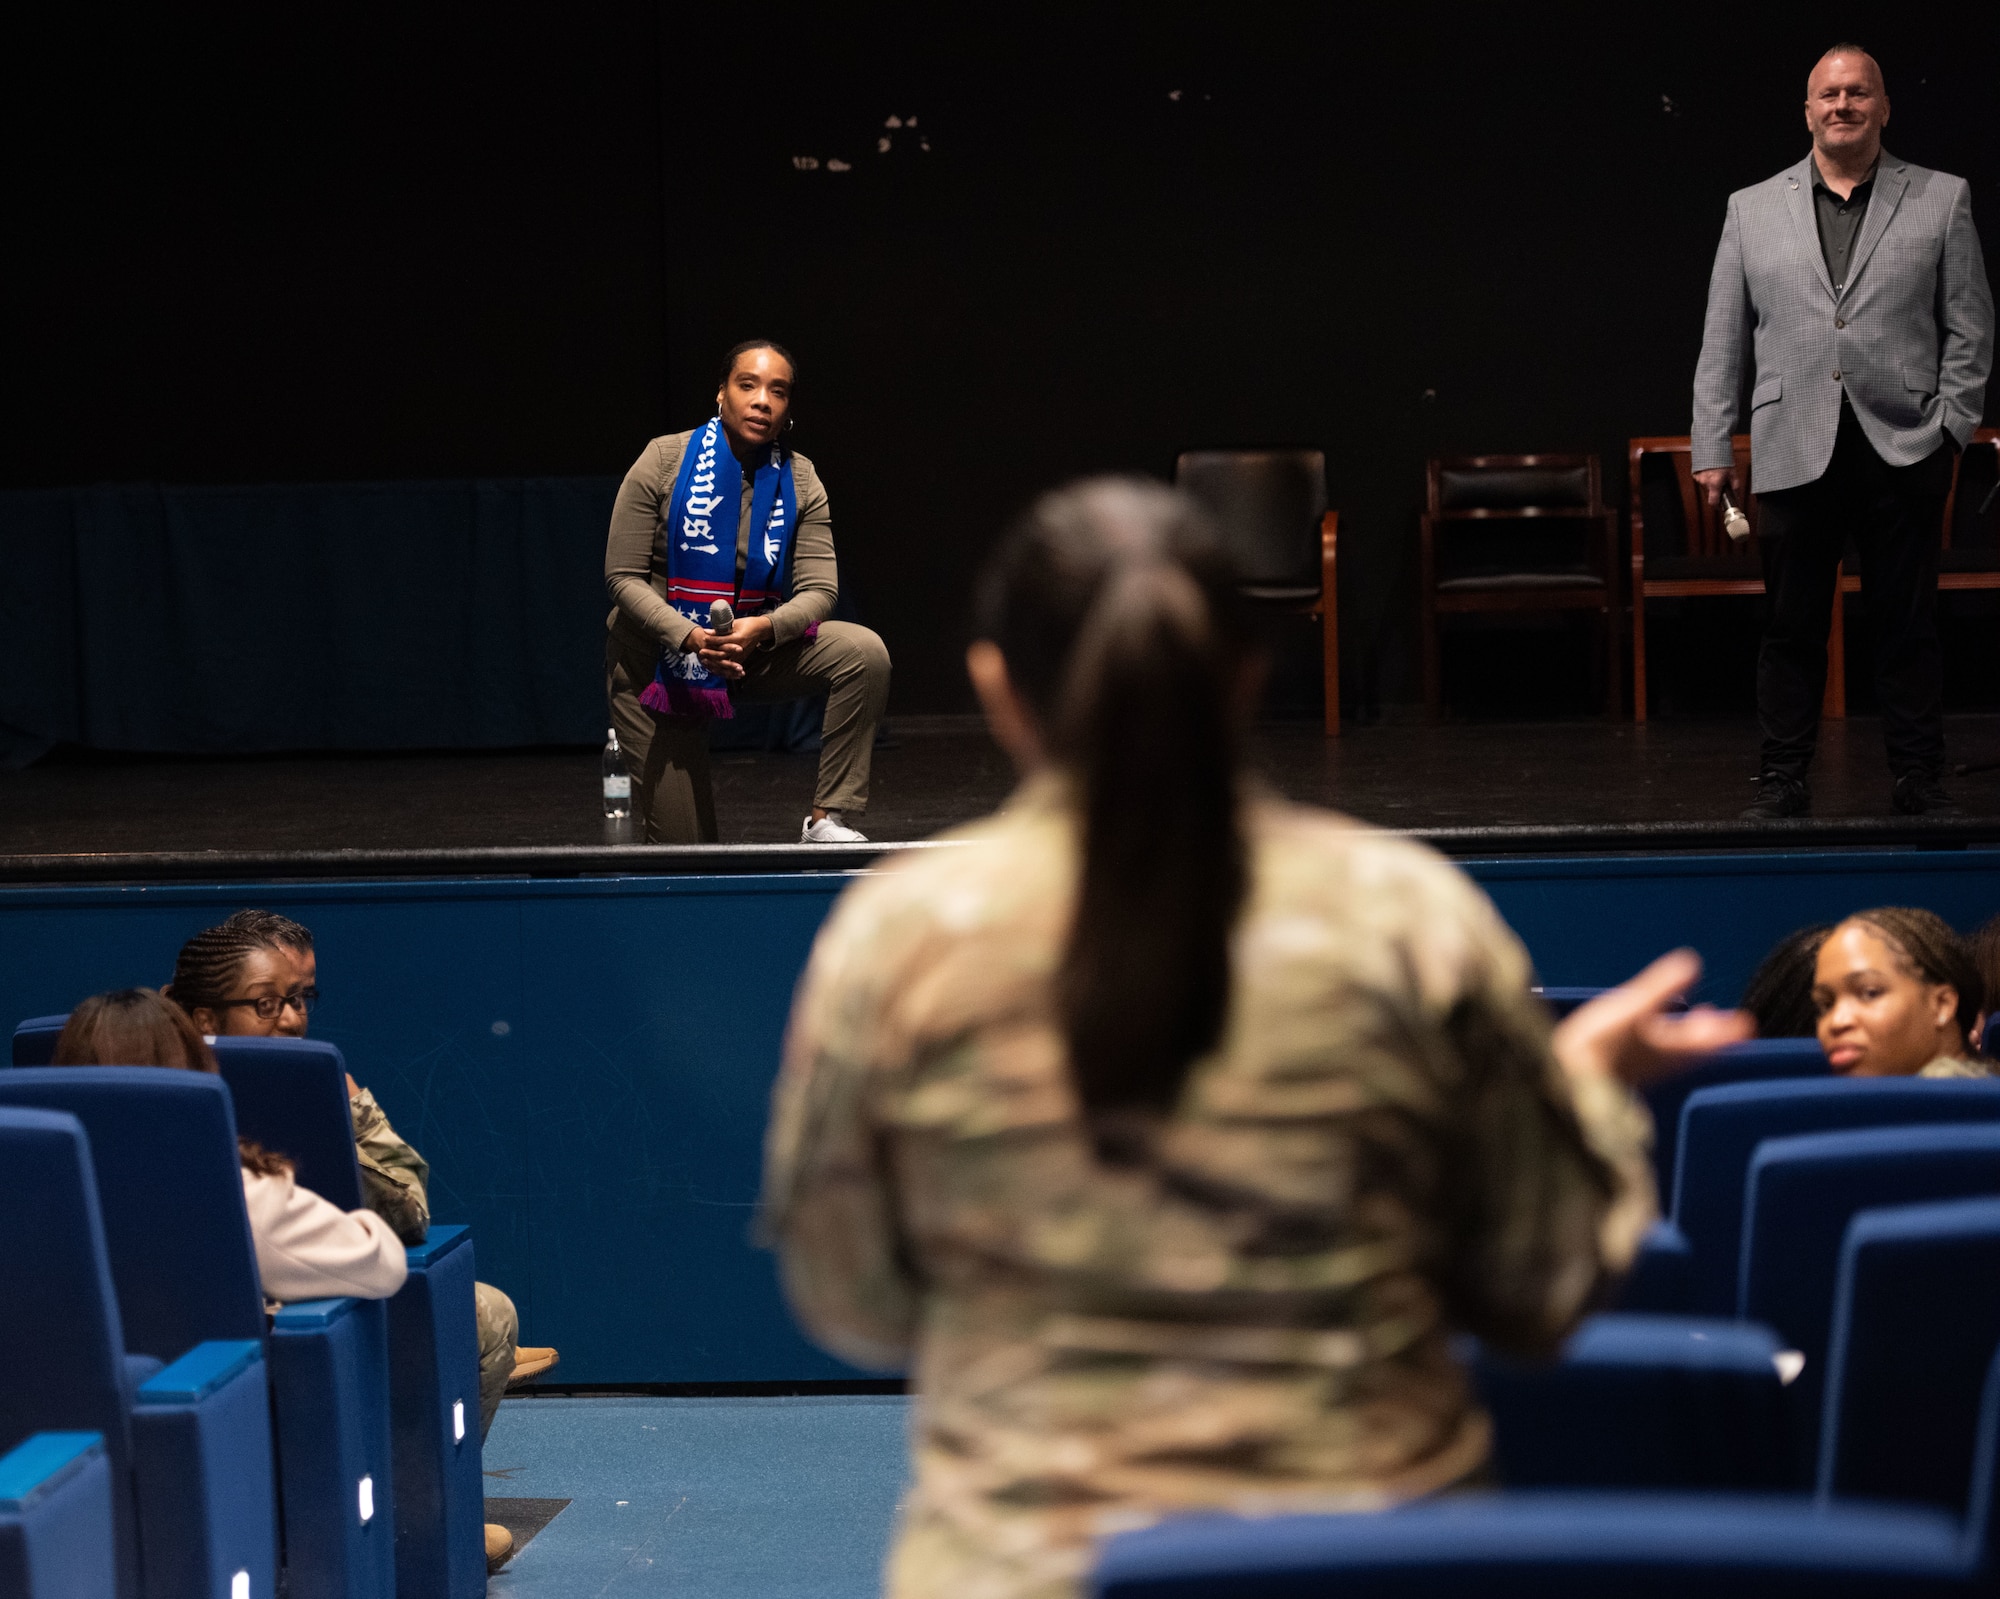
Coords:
pixel 257 975
pixel 1899 995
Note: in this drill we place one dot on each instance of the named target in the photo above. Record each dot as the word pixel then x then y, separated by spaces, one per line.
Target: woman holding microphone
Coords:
pixel 730 512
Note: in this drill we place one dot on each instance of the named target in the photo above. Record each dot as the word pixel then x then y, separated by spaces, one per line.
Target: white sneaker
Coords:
pixel 830 829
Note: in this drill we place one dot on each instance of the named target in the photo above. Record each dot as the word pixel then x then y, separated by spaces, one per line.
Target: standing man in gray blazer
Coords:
pixel 1849 313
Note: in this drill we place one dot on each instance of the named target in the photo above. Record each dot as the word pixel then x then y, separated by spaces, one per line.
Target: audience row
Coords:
pixel 256 974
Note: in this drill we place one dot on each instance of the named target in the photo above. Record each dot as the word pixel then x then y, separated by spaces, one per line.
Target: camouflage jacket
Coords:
pixel 393 1174
pixel 1380 1152
pixel 1954 1066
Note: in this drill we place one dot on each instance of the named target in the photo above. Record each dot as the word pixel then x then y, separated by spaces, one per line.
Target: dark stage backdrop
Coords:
pixel 1009 245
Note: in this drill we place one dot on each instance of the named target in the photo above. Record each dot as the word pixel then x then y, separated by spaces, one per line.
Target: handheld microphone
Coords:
pixel 720 617
pixel 1734 522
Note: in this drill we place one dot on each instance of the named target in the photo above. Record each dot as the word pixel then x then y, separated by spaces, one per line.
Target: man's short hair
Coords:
pixel 1847 47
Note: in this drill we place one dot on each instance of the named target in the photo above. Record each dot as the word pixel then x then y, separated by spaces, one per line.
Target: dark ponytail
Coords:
pixel 1121 629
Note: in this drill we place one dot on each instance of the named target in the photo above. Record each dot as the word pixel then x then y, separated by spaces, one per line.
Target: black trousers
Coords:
pixel 1894 515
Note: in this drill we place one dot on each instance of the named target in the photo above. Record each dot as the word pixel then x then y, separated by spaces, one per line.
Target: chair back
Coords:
pixel 170 1188
pixel 1799 1197
pixel 35 1039
pixel 1972 510
pixel 1526 521
pixel 1722 1127
pixel 65 1345
pixel 1916 1324
pixel 1671 516
pixel 290 1095
pixel 1513 485
pixel 1267 506
pixel 1760 1060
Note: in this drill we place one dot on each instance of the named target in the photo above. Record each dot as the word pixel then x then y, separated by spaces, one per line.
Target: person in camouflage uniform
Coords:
pixel 393 1182
pixel 1251 1314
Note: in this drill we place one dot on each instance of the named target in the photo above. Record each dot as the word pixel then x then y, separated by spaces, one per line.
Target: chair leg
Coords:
pixel 1433 690
pixel 1834 705
pixel 1329 623
pixel 1638 651
pixel 1330 651
pixel 1614 698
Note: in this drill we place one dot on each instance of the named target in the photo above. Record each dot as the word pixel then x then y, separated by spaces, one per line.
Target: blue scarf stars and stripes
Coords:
pixel 701 561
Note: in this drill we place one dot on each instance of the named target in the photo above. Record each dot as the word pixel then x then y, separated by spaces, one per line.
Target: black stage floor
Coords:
pixel 1592 780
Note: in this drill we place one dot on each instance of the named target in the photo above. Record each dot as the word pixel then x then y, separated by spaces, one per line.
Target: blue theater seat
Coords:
pixel 434 1418
pixel 291 1096
pixel 1579 1545
pixel 57 1535
pixel 1759 1060
pixel 171 1193
pixel 1801 1194
pixel 188 1445
pixel 336 1476
pixel 1913 1412
pixel 35 1039
pixel 1642 1402
pixel 1722 1127
pixel 1561 999
pixel 1917 1309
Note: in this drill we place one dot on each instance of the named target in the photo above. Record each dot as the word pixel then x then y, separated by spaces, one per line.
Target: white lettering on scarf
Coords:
pixel 774 533
pixel 702 498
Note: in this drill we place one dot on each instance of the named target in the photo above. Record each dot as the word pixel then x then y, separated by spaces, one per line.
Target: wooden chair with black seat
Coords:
pixel 1680 551
pixel 1270 508
pixel 1517 533
pixel 1970 558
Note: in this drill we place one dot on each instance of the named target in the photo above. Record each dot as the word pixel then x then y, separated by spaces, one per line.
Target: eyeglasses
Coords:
pixel 269 1006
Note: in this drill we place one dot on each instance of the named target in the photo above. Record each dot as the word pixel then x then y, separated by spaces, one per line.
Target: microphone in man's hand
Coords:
pixel 1734 522
pixel 720 617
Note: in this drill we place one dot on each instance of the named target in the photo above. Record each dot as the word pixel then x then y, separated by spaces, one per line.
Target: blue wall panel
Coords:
pixel 586 1061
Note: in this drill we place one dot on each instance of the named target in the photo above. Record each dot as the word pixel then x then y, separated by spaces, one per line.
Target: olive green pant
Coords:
pixel 673 798
pixel 499 1332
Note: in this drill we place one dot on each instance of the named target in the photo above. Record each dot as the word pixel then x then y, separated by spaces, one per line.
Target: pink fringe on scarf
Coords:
pixel 687 703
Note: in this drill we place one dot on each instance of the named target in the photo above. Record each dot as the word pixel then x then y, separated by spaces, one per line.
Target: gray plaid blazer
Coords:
pixel 1909 339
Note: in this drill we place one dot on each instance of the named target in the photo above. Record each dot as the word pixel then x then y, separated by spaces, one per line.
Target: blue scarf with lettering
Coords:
pixel 701 560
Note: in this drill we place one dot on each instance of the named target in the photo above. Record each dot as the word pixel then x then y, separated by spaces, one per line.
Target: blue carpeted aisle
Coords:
pixel 701 1498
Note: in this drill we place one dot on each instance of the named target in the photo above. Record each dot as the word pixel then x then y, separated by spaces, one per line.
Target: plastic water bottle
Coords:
pixel 617 781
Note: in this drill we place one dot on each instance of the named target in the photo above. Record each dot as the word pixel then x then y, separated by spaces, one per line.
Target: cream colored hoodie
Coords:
pixel 310 1249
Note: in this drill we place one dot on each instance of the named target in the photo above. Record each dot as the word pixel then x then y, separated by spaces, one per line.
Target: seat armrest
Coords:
pixel 309 1315
pixel 200 1372
pixel 438 1242
pixel 40 1464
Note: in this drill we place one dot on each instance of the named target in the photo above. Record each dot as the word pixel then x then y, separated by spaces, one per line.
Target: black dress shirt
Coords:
pixel 1839 223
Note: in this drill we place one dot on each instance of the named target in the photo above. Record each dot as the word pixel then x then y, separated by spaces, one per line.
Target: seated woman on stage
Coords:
pixel 306 1248
pixel 1166 1130
pixel 671 555
pixel 1898 995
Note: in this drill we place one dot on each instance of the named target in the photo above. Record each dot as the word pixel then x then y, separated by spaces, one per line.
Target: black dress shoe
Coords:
pixel 1921 794
pixel 1778 794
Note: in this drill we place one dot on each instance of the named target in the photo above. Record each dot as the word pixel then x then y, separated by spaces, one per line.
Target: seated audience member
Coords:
pixel 1897 995
pixel 306 1248
pixel 256 975
pixel 1986 956
pixel 1779 995
pixel 1168 1131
